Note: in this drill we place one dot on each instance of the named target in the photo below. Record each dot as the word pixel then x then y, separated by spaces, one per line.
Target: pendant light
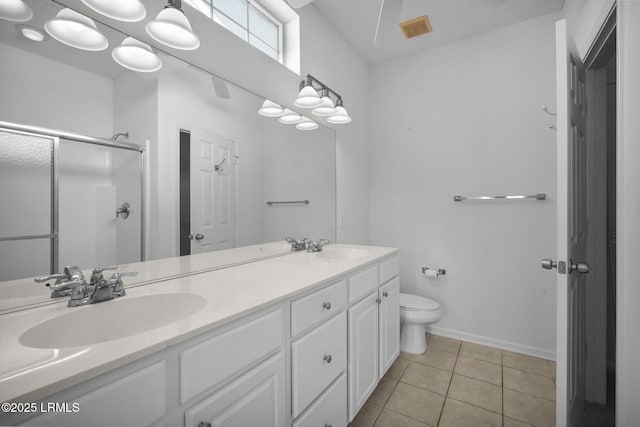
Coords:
pixel 15 10
pixel 172 28
pixel 76 30
pixel 32 33
pixel 122 10
pixel 341 116
pixel 307 124
pixel 326 107
pixel 136 56
pixel 289 117
pixel 270 109
pixel 307 97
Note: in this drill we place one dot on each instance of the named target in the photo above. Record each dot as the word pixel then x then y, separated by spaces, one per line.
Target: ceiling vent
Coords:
pixel 416 27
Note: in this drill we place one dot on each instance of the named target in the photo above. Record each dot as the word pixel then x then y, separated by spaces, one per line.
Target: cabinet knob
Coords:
pixel 203 424
pixel 385 294
pixel 379 300
pixel 327 358
pixel 326 305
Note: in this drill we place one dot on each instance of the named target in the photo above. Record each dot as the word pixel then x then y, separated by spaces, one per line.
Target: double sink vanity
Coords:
pixel 227 338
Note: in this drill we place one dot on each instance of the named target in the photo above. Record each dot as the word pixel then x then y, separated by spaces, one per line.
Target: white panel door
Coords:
pixel 389 324
pixel 571 210
pixel 213 217
pixel 363 352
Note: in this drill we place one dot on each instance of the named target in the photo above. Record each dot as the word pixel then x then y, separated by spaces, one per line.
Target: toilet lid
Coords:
pixel 415 302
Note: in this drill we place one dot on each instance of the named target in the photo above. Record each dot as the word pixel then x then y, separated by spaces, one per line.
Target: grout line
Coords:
pixel 475 406
pixel 446 396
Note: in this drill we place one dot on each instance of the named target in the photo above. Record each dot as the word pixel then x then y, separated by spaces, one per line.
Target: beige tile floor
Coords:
pixel 458 384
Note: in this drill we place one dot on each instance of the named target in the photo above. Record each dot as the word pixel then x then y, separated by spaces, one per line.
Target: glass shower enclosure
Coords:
pixel 67 200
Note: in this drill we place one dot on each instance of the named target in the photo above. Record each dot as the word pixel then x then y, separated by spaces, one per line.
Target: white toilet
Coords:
pixel 416 312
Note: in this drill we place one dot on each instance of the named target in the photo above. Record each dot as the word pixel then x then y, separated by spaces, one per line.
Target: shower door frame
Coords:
pixel 55 136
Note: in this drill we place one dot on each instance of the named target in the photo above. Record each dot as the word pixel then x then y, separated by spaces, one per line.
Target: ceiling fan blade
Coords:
pixel 297 4
pixel 388 19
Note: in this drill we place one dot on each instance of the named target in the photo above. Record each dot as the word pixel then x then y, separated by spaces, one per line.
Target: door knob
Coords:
pixel 548 264
pixel 581 267
pixel 199 236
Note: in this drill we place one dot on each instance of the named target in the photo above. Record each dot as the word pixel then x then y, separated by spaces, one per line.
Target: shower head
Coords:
pixel 119 134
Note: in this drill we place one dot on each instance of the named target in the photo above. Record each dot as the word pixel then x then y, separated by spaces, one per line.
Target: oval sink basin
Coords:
pixel 344 254
pixel 110 320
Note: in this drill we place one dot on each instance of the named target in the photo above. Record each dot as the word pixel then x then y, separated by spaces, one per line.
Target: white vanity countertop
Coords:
pixel 25 293
pixel 28 374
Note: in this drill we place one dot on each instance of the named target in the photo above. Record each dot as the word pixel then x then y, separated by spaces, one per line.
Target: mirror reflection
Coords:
pixel 190 169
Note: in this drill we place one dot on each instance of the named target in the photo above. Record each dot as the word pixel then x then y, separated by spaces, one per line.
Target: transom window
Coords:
pixel 247 20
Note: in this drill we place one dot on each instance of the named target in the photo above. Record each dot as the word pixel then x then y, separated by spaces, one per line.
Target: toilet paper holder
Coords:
pixel 439 271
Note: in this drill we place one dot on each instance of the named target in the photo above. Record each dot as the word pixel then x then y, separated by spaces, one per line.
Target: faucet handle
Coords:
pixel 96 274
pixel 99 270
pixel 57 276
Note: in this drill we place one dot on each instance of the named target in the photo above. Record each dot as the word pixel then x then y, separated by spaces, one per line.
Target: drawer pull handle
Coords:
pixel 328 425
pixel 327 358
pixel 385 294
pixel 203 424
pixel 326 305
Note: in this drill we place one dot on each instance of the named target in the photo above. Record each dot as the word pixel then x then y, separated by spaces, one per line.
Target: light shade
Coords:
pixel 15 10
pixel 341 116
pixel 289 117
pixel 76 30
pixel 307 124
pixel 122 10
pixel 172 28
pixel 270 109
pixel 307 98
pixel 136 56
pixel 32 33
pixel 326 107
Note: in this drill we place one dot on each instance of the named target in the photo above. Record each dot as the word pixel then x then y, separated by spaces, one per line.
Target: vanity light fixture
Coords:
pixel 307 97
pixel 335 113
pixel 76 30
pixel 270 109
pixel 341 116
pixel 136 56
pixel 15 10
pixel 307 124
pixel 122 10
pixel 289 117
pixel 326 107
pixel 172 28
pixel 32 33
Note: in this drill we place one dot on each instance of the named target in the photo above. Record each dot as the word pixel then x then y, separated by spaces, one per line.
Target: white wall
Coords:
pixel 68 98
pixel 299 165
pixel 465 119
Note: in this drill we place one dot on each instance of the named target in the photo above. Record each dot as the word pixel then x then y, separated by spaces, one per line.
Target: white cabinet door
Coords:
pixel 363 352
pixel 255 399
pixel 389 323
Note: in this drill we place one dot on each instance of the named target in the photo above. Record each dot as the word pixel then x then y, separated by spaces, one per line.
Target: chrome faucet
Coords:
pixel 317 245
pixel 72 282
pixel 297 245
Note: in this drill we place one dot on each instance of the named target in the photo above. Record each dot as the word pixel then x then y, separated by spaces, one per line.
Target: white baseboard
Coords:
pixel 492 342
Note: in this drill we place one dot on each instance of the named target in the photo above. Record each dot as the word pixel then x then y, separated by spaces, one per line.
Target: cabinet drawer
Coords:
pixel 362 283
pixel 389 269
pixel 255 399
pixel 317 359
pixel 330 409
pixel 318 306
pixel 212 361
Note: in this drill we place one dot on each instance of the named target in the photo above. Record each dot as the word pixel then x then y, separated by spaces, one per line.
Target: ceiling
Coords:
pixel 451 20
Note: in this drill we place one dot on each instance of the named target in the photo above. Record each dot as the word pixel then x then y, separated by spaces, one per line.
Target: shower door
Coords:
pixel 28 234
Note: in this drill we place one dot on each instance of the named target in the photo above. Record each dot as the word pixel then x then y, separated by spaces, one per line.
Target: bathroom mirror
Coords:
pixel 210 165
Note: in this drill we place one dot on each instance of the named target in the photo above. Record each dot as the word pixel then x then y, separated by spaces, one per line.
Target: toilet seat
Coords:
pixel 410 302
